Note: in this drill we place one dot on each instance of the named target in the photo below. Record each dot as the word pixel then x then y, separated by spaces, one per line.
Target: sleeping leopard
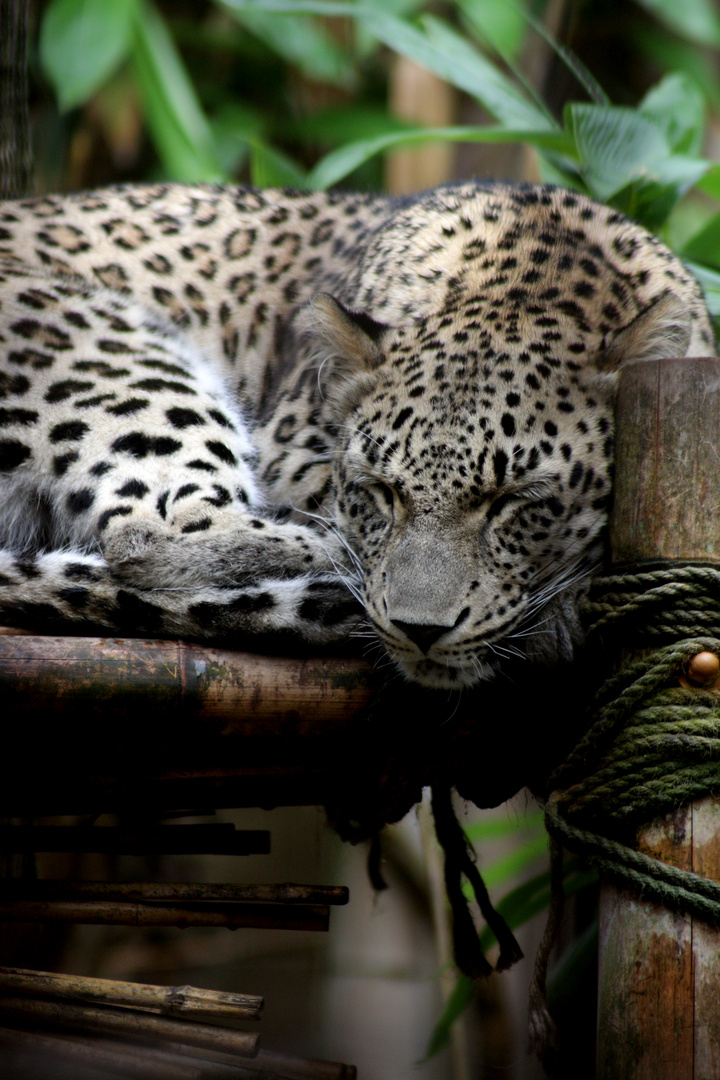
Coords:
pixel 246 416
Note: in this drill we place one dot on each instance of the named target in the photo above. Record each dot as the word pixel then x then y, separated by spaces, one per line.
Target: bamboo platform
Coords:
pixel 108 724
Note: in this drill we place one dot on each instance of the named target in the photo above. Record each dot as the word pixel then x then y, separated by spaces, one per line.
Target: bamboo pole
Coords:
pixel 28 1055
pixel 186 1002
pixel 659 978
pixel 122 913
pixel 287 893
pixel 102 1019
pixel 161 683
pixel 145 1062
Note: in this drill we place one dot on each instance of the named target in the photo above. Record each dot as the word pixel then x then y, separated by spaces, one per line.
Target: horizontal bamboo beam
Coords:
pixel 235 693
pixel 285 1067
pixel 103 1019
pixel 212 839
pixel 27 1055
pixel 186 1002
pixel 119 913
pixel 148 1062
pixel 181 891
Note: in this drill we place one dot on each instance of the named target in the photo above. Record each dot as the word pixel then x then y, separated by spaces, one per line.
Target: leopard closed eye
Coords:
pixel 234 415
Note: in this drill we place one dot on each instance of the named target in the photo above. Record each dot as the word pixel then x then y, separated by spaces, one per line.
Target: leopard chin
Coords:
pixel 438 676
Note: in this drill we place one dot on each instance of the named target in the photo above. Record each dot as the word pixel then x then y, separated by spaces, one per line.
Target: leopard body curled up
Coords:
pixel 234 415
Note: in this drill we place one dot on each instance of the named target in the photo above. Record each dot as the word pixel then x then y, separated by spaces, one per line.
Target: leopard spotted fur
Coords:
pixel 242 416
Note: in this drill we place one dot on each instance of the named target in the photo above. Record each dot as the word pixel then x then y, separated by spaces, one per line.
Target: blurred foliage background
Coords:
pixel 618 99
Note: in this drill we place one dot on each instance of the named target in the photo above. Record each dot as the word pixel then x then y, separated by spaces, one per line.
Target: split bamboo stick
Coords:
pixel 186 1002
pixel 287 893
pixel 119 913
pixel 27 1055
pixel 101 1019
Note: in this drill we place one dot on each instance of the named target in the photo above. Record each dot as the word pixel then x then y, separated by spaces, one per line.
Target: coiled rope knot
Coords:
pixel 652 744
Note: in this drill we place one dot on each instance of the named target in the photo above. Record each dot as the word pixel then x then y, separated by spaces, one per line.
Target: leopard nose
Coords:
pixel 423 634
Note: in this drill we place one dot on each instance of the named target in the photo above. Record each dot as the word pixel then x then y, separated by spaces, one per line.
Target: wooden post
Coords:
pixel 659 979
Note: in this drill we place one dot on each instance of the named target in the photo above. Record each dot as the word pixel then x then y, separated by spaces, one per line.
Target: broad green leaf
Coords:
pixel 271 168
pixel 670 53
pixel 300 41
pixel 710 182
pixel 697 20
pixel 501 24
pixel 442 51
pixel 651 198
pixel 82 42
pixel 341 162
pixel 448 54
pixel 232 126
pixel 572 62
pixel 677 106
pixel 176 121
pixel 345 123
pixel 616 145
pixel 503 870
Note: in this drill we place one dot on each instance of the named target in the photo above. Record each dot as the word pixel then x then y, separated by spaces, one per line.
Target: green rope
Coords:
pixel 650 747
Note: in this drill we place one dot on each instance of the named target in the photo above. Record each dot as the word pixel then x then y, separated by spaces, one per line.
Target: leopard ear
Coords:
pixel 660 332
pixel 352 335
pixel 348 352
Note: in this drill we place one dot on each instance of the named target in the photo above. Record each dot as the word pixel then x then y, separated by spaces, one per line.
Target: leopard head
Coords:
pixel 472 475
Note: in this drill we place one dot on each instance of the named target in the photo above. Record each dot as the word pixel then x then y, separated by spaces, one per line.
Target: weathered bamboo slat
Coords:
pixel 287 893
pixel 659 980
pixel 146 1062
pixel 269 1065
pixel 291 1068
pixel 126 1022
pixel 123 913
pixel 28 1055
pixel 212 839
pixel 186 1002
pixel 235 693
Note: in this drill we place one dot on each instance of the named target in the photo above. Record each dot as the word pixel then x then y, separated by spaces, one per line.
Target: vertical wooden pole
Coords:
pixel 659 978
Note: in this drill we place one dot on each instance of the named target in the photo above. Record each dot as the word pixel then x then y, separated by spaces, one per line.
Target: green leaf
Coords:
pixel 519 905
pixel 710 182
pixel 502 24
pixel 176 121
pixel 697 20
pixel 449 55
pixel 710 282
pixel 339 163
pixel 677 106
pixel 345 123
pixel 670 53
pixel 616 145
pixel 499 828
pixel 455 1006
pixel 651 198
pixel 503 870
pixel 439 49
pixel 233 125
pixel 300 41
pixel 271 168
pixel 82 42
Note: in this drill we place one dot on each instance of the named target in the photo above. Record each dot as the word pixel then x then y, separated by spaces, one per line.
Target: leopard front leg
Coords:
pixel 192 530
